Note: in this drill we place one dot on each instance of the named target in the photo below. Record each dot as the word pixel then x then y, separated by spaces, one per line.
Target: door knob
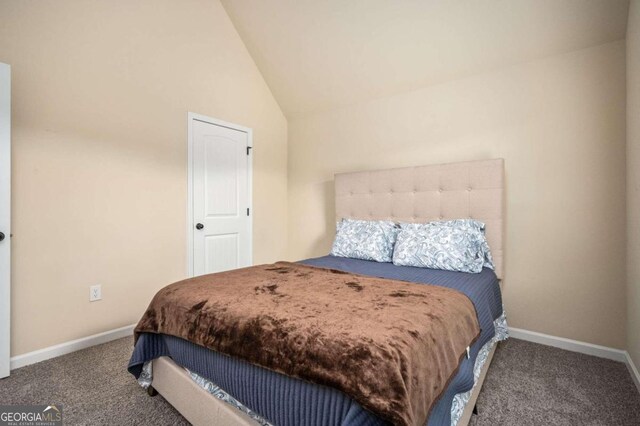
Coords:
pixel 199 226
pixel 1 236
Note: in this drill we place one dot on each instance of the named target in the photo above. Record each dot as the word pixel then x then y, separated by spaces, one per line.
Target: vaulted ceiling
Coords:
pixel 322 54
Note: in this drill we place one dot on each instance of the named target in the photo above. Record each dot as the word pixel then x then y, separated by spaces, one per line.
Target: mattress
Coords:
pixel 288 401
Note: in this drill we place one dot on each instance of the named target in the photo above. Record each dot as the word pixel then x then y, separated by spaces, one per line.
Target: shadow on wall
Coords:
pixel 322 245
pixel 505 227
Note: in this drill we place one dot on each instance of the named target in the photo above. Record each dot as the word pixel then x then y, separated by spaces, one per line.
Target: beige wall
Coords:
pixel 633 181
pixel 560 125
pixel 100 96
pixel 101 91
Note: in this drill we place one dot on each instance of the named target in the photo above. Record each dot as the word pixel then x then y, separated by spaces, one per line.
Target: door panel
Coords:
pixel 221 252
pixel 220 198
pixel 221 181
pixel 5 217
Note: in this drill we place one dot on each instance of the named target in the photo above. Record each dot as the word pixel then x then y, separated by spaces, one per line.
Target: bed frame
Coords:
pixel 473 189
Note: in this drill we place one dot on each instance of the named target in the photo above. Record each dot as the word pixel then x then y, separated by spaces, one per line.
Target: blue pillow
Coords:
pixel 365 239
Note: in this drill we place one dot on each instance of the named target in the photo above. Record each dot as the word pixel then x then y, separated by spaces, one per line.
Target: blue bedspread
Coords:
pixel 288 401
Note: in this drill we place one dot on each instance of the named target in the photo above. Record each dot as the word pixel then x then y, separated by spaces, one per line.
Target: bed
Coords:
pixel 212 388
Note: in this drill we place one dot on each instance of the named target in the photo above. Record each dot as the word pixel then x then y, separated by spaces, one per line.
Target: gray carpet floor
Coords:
pixel 527 384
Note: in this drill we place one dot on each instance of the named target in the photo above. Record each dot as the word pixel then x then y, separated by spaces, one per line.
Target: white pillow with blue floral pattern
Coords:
pixel 452 245
pixel 365 239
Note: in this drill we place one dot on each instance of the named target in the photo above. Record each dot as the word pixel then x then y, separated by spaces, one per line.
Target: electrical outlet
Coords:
pixel 95 293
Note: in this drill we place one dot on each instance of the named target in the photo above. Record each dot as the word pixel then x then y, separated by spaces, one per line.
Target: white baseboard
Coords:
pixel 568 344
pixel 68 347
pixel 517 333
pixel 581 347
pixel 633 370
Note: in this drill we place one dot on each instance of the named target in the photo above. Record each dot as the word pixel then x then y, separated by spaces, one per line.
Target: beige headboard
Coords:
pixel 473 189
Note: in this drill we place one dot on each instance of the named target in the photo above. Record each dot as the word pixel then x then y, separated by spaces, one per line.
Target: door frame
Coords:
pixel 5 221
pixel 191 117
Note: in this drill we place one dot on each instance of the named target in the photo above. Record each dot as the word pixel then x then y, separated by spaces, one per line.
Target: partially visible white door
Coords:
pixel 5 217
pixel 221 222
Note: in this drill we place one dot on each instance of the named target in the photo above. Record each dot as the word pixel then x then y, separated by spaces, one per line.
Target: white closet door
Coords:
pixel 5 217
pixel 221 216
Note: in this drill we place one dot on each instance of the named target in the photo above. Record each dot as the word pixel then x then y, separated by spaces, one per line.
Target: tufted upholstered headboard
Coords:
pixel 472 189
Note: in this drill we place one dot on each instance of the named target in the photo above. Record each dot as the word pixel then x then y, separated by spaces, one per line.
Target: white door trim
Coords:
pixel 191 117
pixel 5 219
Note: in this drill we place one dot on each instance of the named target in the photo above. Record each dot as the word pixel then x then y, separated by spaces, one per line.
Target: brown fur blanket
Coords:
pixel 392 346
